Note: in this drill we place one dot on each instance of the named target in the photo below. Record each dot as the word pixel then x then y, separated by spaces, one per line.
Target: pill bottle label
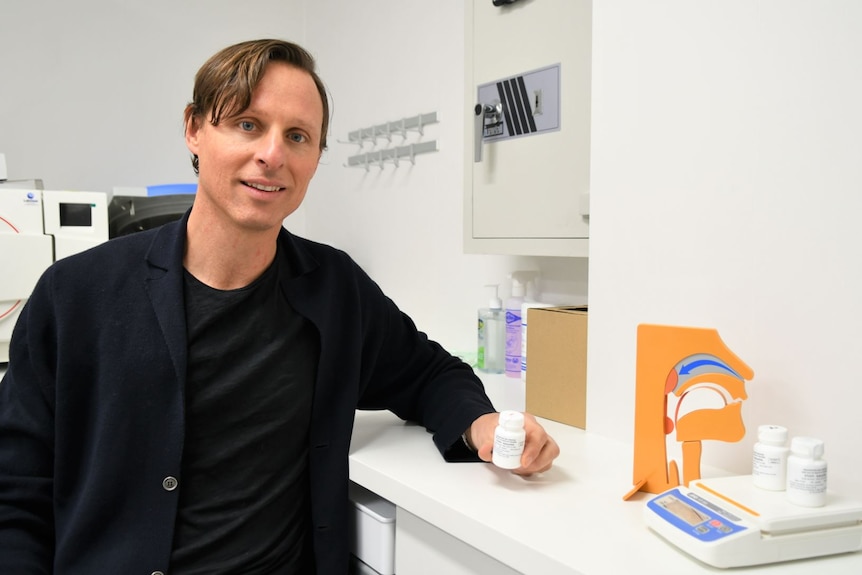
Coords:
pixel 809 480
pixel 769 468
pixel 508 448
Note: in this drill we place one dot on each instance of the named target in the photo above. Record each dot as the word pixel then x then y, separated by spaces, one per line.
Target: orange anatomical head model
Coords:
pixel 675 364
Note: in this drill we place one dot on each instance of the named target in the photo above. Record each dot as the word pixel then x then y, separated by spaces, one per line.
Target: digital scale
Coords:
pixel 728 522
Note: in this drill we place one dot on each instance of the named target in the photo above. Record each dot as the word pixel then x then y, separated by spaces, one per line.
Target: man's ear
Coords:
pixel 192 127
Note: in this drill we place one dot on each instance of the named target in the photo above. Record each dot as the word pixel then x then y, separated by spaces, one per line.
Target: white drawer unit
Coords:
pixel 372 532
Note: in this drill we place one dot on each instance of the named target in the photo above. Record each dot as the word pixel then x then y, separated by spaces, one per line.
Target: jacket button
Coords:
pixel 169 484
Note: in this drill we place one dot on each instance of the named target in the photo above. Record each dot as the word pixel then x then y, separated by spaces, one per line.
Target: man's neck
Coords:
pixel 227 258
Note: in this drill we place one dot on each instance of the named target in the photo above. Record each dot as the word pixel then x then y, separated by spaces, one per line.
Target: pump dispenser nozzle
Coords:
pixel 520 279
pixel 495 302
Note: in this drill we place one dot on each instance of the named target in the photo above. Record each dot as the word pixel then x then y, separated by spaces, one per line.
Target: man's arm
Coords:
pixel 418 380
pixel 415 378
pixel 26 456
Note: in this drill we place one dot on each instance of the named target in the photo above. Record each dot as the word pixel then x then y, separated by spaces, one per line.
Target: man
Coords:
pixel 181 400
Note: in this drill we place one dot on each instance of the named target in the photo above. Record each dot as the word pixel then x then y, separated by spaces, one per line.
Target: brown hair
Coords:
pixel 224 85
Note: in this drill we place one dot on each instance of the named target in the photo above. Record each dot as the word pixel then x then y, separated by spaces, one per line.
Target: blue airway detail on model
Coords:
pixel 170 189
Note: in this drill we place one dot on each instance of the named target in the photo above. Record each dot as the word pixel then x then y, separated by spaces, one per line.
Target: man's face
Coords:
pixel 255 166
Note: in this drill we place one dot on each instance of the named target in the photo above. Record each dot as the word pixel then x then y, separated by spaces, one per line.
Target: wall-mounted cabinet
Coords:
pixel 527 147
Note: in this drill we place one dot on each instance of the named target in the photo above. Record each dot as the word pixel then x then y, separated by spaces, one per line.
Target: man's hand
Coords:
pixel 540 449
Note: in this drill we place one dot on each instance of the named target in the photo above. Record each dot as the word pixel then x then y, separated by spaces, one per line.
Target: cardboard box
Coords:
pixel 556 377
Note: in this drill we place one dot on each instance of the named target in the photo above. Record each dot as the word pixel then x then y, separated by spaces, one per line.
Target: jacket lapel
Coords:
pixel 164 285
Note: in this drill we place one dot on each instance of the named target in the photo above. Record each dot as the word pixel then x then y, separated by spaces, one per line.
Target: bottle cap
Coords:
pixel 772 434
pixel 809 447
pixel 511 420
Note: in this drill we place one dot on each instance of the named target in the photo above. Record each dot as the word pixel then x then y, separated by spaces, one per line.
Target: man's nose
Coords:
pixel 271 150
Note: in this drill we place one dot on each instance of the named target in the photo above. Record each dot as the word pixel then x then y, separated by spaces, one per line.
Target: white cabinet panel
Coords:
pixel 529 193
pixel 422 549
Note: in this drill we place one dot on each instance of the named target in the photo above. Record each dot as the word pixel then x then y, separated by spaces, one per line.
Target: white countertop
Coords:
pixel 571 519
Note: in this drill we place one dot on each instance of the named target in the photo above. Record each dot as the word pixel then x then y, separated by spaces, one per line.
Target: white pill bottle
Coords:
pixel 509 440
pixel 806 472
pixel 769 464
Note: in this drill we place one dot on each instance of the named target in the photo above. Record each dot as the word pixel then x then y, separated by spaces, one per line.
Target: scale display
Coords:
pixel 696 516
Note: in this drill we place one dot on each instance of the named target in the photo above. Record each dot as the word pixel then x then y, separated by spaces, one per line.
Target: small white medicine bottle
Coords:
pixel 806 472
pixel 769 465
pixel 509 440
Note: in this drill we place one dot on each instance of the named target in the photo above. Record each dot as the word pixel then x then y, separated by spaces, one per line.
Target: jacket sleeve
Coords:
pixel 27 444
pixel 414 377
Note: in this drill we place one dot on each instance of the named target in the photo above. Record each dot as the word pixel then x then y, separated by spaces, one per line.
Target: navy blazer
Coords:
pixel 91 408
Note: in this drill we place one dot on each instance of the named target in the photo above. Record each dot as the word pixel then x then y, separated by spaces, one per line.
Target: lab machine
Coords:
pixel 38 227
pixel 137 209
pixel 729 522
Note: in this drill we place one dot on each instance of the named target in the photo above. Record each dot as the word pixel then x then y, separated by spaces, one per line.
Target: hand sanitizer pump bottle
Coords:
pixel 492 335
pixel 513 326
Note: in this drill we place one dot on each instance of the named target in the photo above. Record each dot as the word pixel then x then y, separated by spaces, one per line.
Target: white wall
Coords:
pixel 92 92
pixel 726 193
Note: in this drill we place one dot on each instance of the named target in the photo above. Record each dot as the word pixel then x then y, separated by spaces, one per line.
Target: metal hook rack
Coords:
pixel 386 130
pixel 380 158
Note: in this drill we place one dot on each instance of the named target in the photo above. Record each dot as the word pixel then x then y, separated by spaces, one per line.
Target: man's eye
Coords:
pixel 247 126
pixel 298 138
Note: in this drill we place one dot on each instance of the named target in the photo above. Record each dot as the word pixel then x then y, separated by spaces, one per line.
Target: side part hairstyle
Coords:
pixel 224 85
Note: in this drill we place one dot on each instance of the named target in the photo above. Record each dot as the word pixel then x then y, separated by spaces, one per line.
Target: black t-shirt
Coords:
pixel 244 492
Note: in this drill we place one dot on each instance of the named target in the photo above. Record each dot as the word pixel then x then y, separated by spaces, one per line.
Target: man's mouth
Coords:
pixel 263 188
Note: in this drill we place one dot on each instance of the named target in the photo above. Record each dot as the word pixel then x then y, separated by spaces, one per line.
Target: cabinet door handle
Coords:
pixel 483 112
